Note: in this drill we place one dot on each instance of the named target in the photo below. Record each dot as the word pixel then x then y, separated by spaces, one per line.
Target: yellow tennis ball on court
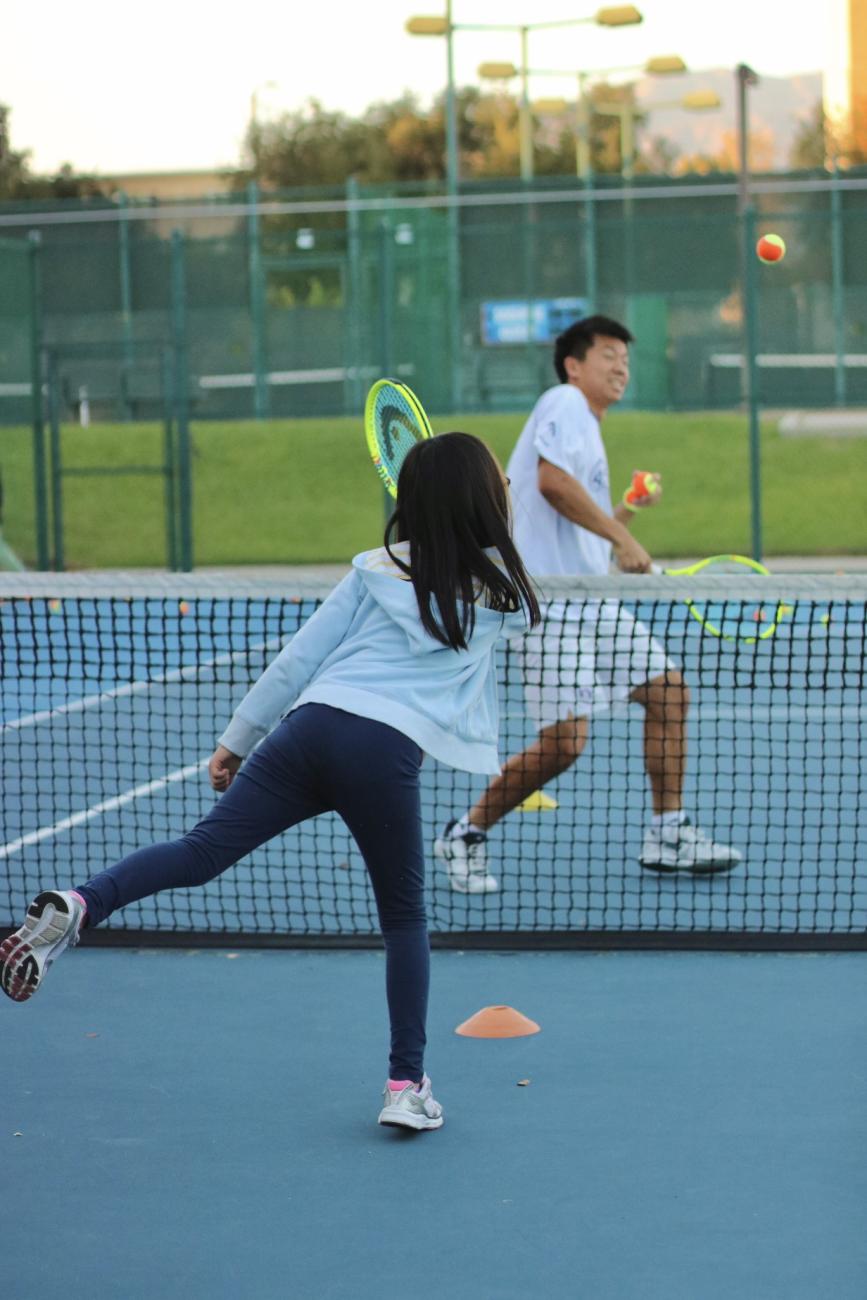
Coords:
pixel 184 607
pixel 771 248
pixel 54 606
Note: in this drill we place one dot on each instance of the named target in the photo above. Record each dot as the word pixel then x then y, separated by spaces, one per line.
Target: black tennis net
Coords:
pixel 115 688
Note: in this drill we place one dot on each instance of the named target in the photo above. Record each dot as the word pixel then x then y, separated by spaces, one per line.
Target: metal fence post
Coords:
pixel 838 291
pixel 353 383
pixel 181 395
pixel 37 413
pixel 386 297
pixel 261 403
pixel 751 376
pixel 125 302
pixel 170 460
pixel 746 78
pixel 52 373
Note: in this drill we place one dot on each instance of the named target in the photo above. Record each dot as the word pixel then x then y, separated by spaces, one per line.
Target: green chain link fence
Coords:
pixel 284 305
pixel 294 300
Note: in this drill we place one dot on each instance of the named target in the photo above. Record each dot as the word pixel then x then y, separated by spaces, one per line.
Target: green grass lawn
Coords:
pixel 304 491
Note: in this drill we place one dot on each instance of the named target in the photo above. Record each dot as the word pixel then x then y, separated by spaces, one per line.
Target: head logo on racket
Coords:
pixel 394 421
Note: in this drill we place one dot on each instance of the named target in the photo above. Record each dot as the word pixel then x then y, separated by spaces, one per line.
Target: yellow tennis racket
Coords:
pixel 394 421
pixel 733 618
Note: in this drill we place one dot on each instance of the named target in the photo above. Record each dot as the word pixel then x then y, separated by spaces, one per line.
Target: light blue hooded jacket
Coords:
pixel 365 651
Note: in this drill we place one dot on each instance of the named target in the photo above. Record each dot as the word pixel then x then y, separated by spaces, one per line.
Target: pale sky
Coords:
pixel 167 84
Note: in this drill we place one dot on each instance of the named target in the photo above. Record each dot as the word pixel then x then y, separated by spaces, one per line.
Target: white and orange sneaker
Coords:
pixel 53 922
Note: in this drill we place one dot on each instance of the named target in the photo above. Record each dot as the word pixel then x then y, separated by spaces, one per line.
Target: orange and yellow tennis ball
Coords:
pixel 771 248
pixel 644 484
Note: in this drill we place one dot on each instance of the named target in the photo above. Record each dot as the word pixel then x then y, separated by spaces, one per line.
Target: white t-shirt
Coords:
pixel 563 430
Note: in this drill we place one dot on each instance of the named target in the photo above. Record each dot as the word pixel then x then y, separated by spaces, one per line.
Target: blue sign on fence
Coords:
pixel 538 320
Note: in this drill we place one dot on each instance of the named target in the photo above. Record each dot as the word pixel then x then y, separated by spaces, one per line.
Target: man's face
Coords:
pixel 603 374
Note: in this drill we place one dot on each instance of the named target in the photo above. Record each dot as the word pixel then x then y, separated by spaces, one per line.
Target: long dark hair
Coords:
pixel 452 502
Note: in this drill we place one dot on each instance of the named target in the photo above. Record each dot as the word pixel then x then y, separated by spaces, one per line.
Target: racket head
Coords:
pixel 394 421
pixel 744 622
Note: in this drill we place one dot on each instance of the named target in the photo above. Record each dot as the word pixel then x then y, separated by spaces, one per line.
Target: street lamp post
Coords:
pixel 696 101
pixel 609 16
pixel 660 65
pixel 435 26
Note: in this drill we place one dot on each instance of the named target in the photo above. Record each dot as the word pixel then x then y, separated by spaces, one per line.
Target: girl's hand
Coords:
pixel 222 766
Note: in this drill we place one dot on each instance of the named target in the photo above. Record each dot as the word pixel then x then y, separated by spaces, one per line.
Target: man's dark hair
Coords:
pixel 577 340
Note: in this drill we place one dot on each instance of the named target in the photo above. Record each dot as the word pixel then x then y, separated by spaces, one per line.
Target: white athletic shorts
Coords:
pixel 585 663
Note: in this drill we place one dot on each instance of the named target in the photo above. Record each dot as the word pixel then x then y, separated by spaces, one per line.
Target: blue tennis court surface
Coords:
pixel 204 1124
pixel 112 706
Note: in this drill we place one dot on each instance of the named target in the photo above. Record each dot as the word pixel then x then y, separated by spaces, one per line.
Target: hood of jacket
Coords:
pixel 393 592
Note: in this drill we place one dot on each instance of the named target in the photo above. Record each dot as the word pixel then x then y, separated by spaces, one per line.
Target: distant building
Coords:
pixel 845 96
pixel 166 186
pixel 186 187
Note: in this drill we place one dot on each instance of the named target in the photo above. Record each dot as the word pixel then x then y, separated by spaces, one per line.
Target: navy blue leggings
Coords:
pixel 317 760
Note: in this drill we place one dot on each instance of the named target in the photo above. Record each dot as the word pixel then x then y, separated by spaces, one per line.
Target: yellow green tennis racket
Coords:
pixel 394 421
pixel 733 619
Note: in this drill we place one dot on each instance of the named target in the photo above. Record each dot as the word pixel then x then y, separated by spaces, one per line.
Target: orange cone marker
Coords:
pixel 497 1022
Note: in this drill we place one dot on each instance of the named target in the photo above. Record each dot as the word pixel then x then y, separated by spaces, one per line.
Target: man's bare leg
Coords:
pixel 666 703
pixel 556 749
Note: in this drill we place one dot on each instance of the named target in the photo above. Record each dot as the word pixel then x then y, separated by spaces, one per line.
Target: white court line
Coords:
pixel 108 805
pixel 133 688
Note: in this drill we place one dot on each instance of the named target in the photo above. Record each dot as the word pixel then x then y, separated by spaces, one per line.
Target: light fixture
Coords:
pixel 618 16
pixel 427 26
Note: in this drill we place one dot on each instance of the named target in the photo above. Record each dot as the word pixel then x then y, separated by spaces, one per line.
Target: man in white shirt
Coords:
pixel 583 658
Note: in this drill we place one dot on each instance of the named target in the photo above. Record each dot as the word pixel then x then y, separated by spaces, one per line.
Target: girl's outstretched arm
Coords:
pixel 284 679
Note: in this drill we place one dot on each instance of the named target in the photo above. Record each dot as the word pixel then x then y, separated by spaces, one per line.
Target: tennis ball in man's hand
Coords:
pixel 644 484
pixel 771 248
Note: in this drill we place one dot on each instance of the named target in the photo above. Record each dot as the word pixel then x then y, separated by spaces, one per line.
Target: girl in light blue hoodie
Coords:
pixel 396 663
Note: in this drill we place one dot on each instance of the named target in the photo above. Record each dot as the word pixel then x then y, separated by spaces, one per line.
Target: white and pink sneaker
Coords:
pixel 53 922
pixel 406 1105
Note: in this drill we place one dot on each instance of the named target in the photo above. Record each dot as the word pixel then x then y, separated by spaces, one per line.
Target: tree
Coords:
pixel 13 164
pixel 820 138
pixel 17 181
pixel 658 157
